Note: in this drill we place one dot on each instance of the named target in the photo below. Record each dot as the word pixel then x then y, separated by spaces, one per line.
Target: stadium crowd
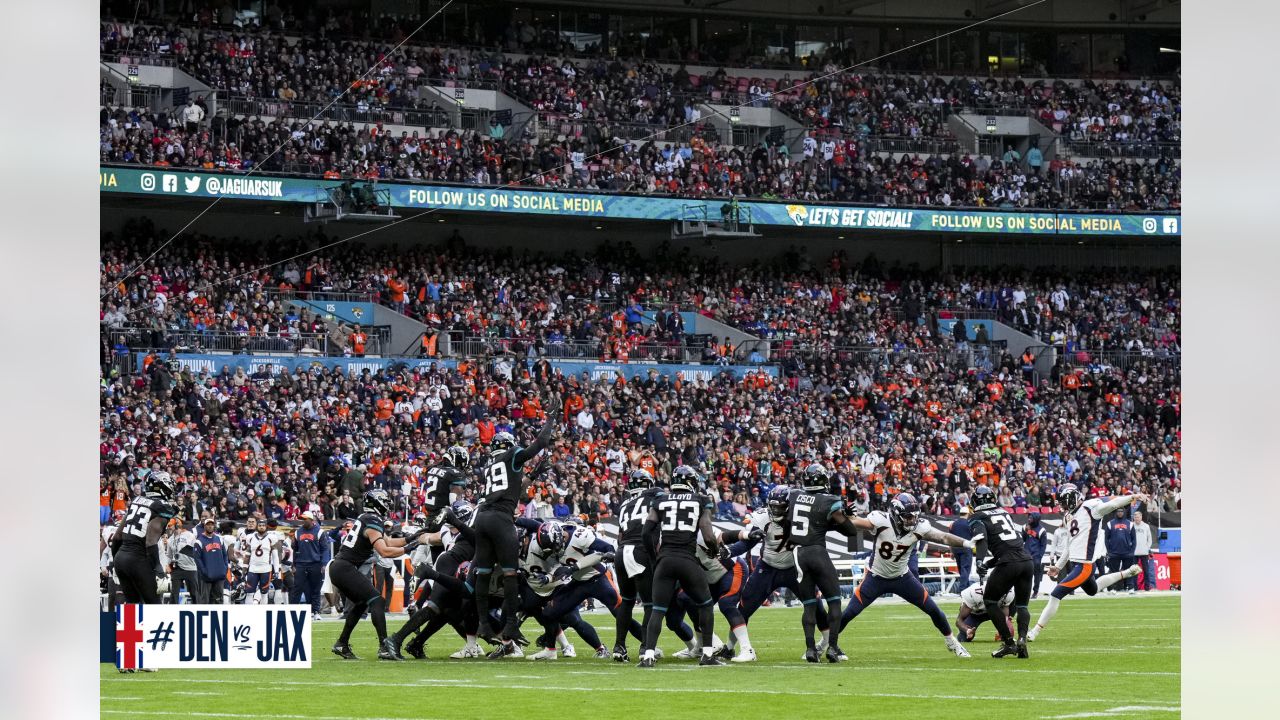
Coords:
pixel 903 412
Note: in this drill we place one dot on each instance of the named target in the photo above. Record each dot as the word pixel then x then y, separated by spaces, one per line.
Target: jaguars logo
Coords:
pixel 357 312
pixel 797 213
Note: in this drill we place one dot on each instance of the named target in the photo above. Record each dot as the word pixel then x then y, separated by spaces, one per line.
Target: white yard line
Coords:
pixel 1116 712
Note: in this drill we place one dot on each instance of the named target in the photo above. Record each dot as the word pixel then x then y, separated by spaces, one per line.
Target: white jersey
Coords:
pixel 579 551
pixel 891 552
pixel 710 565
pixel 1083 527
pixel 262 553
pixel 536 560
pixel 972 598
pixel 772 551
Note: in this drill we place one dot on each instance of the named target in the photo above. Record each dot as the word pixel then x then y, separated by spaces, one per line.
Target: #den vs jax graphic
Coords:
pixel 142 637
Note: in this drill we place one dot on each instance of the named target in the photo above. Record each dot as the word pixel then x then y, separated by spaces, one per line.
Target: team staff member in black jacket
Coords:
pixel 311 554
pixel 1033 539
pixel 365 539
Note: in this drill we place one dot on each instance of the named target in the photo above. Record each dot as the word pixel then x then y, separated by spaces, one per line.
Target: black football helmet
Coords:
pixel 816 478
pixel 1070 497
pixel 376 500
pixel 685 479
pixel 458 457
pixel 904 513
pixel 639 481
pixel 160 485
pixel 501 443
pixel 984 496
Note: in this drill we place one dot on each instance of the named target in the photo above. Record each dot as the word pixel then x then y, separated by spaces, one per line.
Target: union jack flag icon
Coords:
pixel 129 637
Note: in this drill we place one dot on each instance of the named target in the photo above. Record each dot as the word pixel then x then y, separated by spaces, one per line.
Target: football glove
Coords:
pixel 564 572
pixel 756 533
pixel 607 557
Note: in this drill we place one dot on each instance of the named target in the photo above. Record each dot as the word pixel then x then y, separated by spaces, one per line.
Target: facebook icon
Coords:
pixel 1170 225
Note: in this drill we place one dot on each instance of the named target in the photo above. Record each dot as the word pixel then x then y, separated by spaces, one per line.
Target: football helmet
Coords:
pixel 551 537
pixel 639 481
pixel 685 479
pixel 778 502
pixel 501 443
pixel 1070 497
pixel 816 478
pixel 463 510
pixel 983 496
pixel 904 513
pixel 377 500
pixel 458 457
pixel 160 485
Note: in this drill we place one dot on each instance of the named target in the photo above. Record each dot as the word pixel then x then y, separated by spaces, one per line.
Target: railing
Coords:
pixel 141 57
pixel 1123 359
pixel 1121 149
pixel 323 295
pixel 972 355
pixel 221 341
pixel 425 117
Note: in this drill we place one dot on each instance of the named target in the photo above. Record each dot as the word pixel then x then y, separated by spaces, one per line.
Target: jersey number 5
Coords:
pixel 496 477
pixel 682 515
pixel 800 520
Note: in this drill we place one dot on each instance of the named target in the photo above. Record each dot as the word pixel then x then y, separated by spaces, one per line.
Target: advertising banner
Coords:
pixel 184 183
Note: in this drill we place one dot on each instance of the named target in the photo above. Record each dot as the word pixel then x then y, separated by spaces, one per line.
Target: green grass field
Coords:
pixel 1101 657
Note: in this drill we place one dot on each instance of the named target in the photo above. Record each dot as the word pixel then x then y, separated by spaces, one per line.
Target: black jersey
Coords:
pixel 356 548
pixel 144 523
pixel 504 481
pixel 437 484
pixel 1002 536
pixel 678 516
pixel 633 513
pixel 809 517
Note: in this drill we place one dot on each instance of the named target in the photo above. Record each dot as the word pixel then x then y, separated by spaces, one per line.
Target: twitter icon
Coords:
pixel 192 184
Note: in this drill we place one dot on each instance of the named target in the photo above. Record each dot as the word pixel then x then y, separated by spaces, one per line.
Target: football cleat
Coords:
pixel 126 671
pixel 620 653
pixel 416 650
pixel 568 651
pixel 710 660
pixel 544 654
pixel 512 633
pixel 1022 650
pixel 834 654
pixel 485 632
pixel 812 655
pixel 954 646
pixel 657 653
pixel 724 652
pixel 1031 636
pixel 470 651
pixel 1005 650
pixel 687 654
pixel 747 655
pixel 343 651
pixel 647 661
pixel 602 653
pixel 389 650
pixel 1132 571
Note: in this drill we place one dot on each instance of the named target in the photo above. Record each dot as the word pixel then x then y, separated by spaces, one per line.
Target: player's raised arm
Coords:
pixel 539 443
pixel 945 538
pixel 1116 503
pixel 849 525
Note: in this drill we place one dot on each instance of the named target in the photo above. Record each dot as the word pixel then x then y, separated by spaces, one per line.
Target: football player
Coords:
pixel 135 544
pixel 1081 519
pixel 811 513
pixel 458 546
pixel 893 536
pixel 365 539
pixel 264 563
pixel 974 612
pixel 777 566
pixel 1008 567
pixel 670 535
pixel 496 542
pixel 634 567
pixel 445 483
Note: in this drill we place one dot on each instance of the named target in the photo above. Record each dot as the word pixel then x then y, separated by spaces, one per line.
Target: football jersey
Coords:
pixel 262 553
pixel 538 562
pixel 437 485
pixel 633 513
pixel 144 523
pixel 578 549
pixel 972 598
pixel 773 550
pixel 710 565
pixel 678 516
pixel 1002 536
pixel 503 482
pixel 891 552
pixel 356 548
pixel 1082 530
pixel 809 517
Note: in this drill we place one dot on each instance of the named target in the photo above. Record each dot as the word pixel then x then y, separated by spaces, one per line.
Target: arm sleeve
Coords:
pixel 649 534
pixel 528 524
pixel 976 529
pixel 466 532
pixel 741 547
pixel 1103 509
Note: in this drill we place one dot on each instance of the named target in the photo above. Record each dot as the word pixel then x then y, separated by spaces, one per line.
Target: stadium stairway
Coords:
pixel 698 324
